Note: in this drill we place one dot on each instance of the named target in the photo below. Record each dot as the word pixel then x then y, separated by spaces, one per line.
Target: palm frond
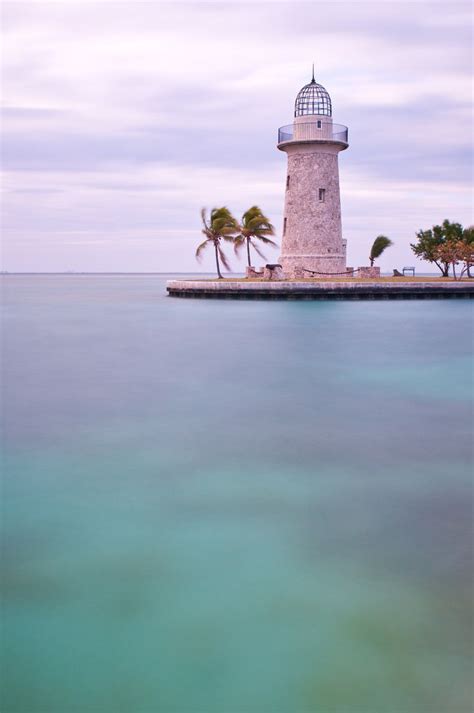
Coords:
pixel 257 250
pixel 201 247
pixel 262 230
pixel 221 217
pixel 380 244
pixel 228 237
pixel 204 218
pixel 239 242
pixel 223 227
pixel 256 224
pixel 228 231
pixel 266 241
pixel 250 214
pixel 259 222
pixel 223 258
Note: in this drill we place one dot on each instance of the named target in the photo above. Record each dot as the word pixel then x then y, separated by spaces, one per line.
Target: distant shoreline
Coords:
pixel 230 276
pixel 76 274
pixel 73 274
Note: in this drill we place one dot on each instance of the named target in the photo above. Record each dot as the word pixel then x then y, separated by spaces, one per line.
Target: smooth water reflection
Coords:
pixel 234 507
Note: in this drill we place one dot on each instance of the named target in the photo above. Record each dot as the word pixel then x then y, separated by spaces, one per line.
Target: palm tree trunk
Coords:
pixel 248 252
pixel 371 261
pixel 217 262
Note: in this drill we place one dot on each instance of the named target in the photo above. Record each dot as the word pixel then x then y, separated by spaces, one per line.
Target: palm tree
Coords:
pixel 221 226
pixel 380 244
pixel 255 226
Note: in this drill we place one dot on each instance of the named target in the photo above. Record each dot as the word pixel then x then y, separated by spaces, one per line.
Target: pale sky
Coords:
pixel 122 119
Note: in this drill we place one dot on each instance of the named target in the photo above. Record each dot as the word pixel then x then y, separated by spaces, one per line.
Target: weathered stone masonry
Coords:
pixel 312 232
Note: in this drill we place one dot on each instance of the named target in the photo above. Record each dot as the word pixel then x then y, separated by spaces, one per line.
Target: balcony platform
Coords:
pixel 315 132
pixel 385 289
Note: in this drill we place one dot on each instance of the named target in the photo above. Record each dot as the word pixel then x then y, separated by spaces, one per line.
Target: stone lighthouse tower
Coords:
pixel 312 234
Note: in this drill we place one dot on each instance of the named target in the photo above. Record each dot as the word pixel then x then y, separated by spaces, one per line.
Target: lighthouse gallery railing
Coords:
pixel 326 131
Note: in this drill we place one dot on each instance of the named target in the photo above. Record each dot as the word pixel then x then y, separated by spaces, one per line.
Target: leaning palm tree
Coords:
pixel 221 226
pixel 255 226
pixel 380 244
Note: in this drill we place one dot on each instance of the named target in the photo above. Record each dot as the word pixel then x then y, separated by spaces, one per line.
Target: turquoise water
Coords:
pixel 234 507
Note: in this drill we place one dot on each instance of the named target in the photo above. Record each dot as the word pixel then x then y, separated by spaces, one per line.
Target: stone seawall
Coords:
pixel 242 289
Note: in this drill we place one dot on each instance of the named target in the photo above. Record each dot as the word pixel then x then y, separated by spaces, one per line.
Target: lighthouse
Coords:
pixel 312 232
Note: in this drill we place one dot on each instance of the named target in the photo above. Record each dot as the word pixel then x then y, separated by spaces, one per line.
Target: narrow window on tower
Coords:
pixel 322 194
pixel 284 226
pixel 319 123
pixel 288 181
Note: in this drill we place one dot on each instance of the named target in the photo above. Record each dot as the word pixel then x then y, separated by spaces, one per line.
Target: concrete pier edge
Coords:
pixel 241 289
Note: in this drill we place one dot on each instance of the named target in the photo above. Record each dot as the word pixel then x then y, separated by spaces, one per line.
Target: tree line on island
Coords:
pixel 446 245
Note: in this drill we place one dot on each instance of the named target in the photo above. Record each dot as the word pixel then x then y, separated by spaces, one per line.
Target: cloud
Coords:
pixel 123 119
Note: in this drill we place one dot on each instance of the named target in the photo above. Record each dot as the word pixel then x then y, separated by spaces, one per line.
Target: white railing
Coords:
pixel 314 131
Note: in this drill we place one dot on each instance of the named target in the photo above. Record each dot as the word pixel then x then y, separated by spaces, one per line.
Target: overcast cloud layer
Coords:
pixel 122 119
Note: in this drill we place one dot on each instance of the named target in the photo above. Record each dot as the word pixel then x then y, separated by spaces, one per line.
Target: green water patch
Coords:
pixel 264 589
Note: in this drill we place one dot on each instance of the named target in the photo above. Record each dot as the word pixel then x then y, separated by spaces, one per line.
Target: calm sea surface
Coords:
pixel 231 506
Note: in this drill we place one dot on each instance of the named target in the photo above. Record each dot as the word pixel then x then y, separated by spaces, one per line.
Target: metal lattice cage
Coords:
pixel 313 99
